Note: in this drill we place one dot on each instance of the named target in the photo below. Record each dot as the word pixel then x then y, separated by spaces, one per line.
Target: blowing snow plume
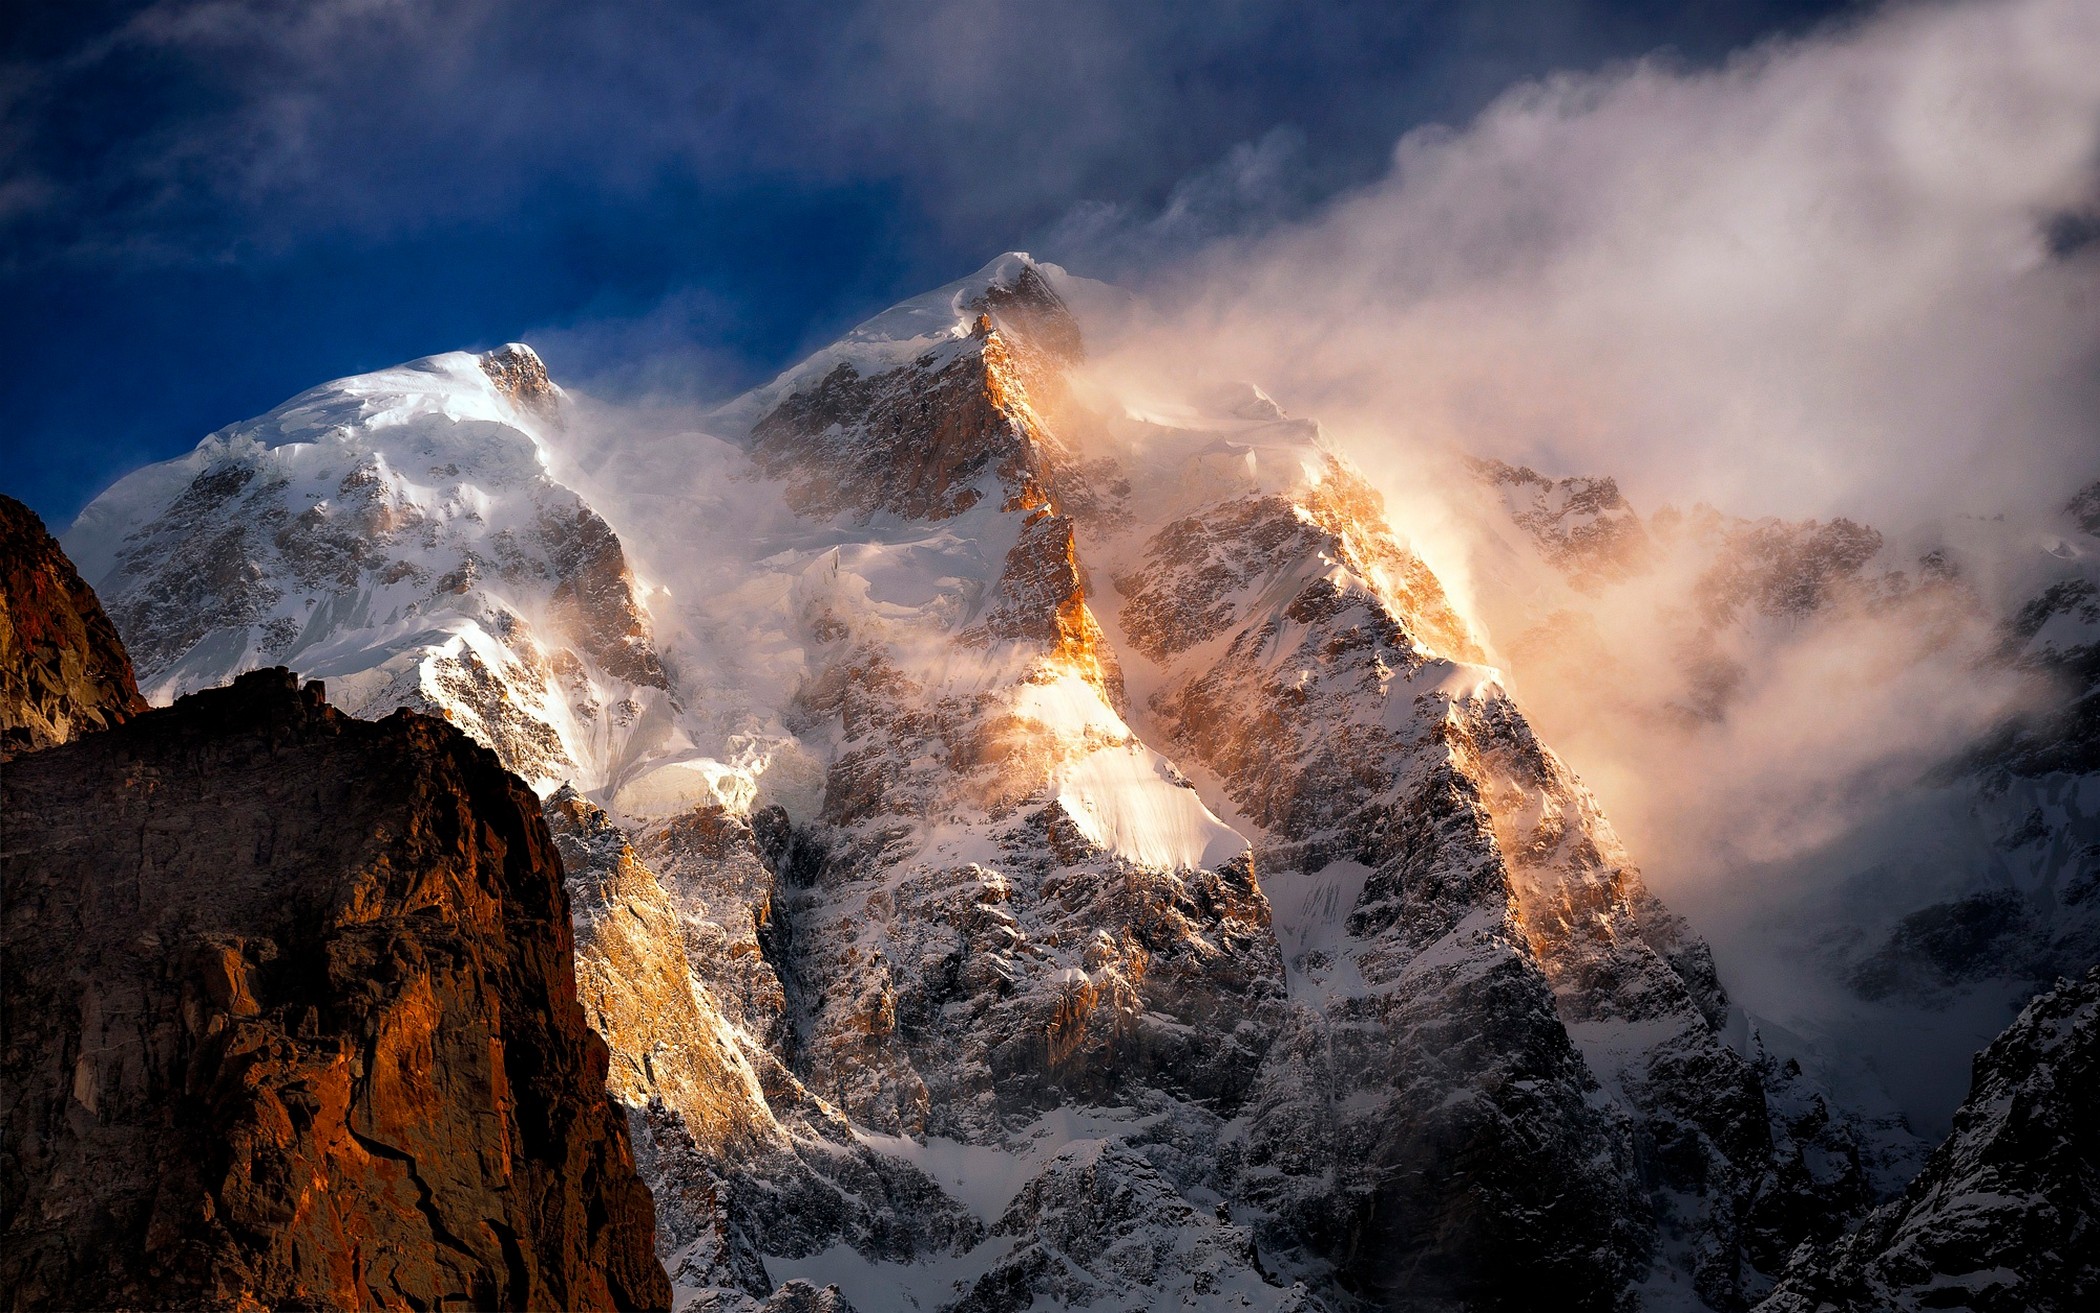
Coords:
pixel 1846 283
pixel 1833 275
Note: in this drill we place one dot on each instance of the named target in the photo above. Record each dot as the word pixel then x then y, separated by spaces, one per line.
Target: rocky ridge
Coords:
pixel 2003 1217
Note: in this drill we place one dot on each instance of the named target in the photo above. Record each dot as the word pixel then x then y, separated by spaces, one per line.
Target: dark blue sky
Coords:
pixel 207 206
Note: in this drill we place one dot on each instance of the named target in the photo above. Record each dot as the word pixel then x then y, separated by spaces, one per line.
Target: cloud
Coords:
pixel 206 128
pixel 1256 187
pixel 1847 274
pixel 1835 274
pixel 241 196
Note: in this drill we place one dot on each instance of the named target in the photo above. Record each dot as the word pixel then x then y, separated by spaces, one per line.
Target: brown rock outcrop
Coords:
pixel 292 1022
pixel 668 1038
pixel 62 670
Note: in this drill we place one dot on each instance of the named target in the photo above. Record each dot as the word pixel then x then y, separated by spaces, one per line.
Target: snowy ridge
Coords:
pixel 927 330
pixel 397 535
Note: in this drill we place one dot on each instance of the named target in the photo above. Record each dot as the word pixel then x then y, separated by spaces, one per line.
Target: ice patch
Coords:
pixel 1310 914
pixel 1123 799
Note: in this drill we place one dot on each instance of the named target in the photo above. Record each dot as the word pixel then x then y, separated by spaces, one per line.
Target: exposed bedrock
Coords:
pixel 62 669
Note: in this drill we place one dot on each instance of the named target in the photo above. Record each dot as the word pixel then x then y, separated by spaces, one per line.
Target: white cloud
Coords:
pixel 1833 277
pixel 1817 279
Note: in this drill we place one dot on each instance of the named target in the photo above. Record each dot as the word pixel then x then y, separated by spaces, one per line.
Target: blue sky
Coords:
pixel 208 206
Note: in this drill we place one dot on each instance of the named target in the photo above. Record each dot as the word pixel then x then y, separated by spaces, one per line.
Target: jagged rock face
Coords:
pixel 1100 1225
pixel 920 437
pixel 2003 1217
pixel 293 1022
pixel 1201 571
pixel 802 1297
pixel 720 868
pixel 518 373
pixel 1824 1173
pixel 1471 970
pixel 398 535
pixel 1583 526
pixel 1006 908
pixel 747 1162
pixel 63 671
pixel 1488 915
pixel 1049 965
pixel 668 1039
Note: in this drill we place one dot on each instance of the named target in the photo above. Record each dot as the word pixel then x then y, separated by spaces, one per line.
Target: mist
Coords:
pixel 1851 274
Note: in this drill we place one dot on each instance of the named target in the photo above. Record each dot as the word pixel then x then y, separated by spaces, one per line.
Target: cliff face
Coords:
pixel 62 670
pixel 2002 1218
pixel 292 1021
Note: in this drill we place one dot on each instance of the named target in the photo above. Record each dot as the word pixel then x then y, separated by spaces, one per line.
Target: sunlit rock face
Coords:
pixel 1063 852
pixel 747 1163
pixel 668 1038
pixel 1450 898
pixel 63 671
pixel 292 1022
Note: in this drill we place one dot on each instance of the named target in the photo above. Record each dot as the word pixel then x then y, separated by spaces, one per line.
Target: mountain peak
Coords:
pixel 1018 291
pixel 520 374
pixel 1005 269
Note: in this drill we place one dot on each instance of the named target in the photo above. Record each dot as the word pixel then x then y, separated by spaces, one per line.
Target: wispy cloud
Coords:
pixel 1819 278
pixel 1840 275
pixel 197 126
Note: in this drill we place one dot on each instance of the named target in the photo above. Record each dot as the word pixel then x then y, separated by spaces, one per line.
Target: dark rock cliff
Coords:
pixel 292 1022
pixel 2002 1219
pixel 62 669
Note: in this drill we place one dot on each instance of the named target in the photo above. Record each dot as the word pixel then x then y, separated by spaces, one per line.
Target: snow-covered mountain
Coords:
pixel 1030 847
pixel 398 535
